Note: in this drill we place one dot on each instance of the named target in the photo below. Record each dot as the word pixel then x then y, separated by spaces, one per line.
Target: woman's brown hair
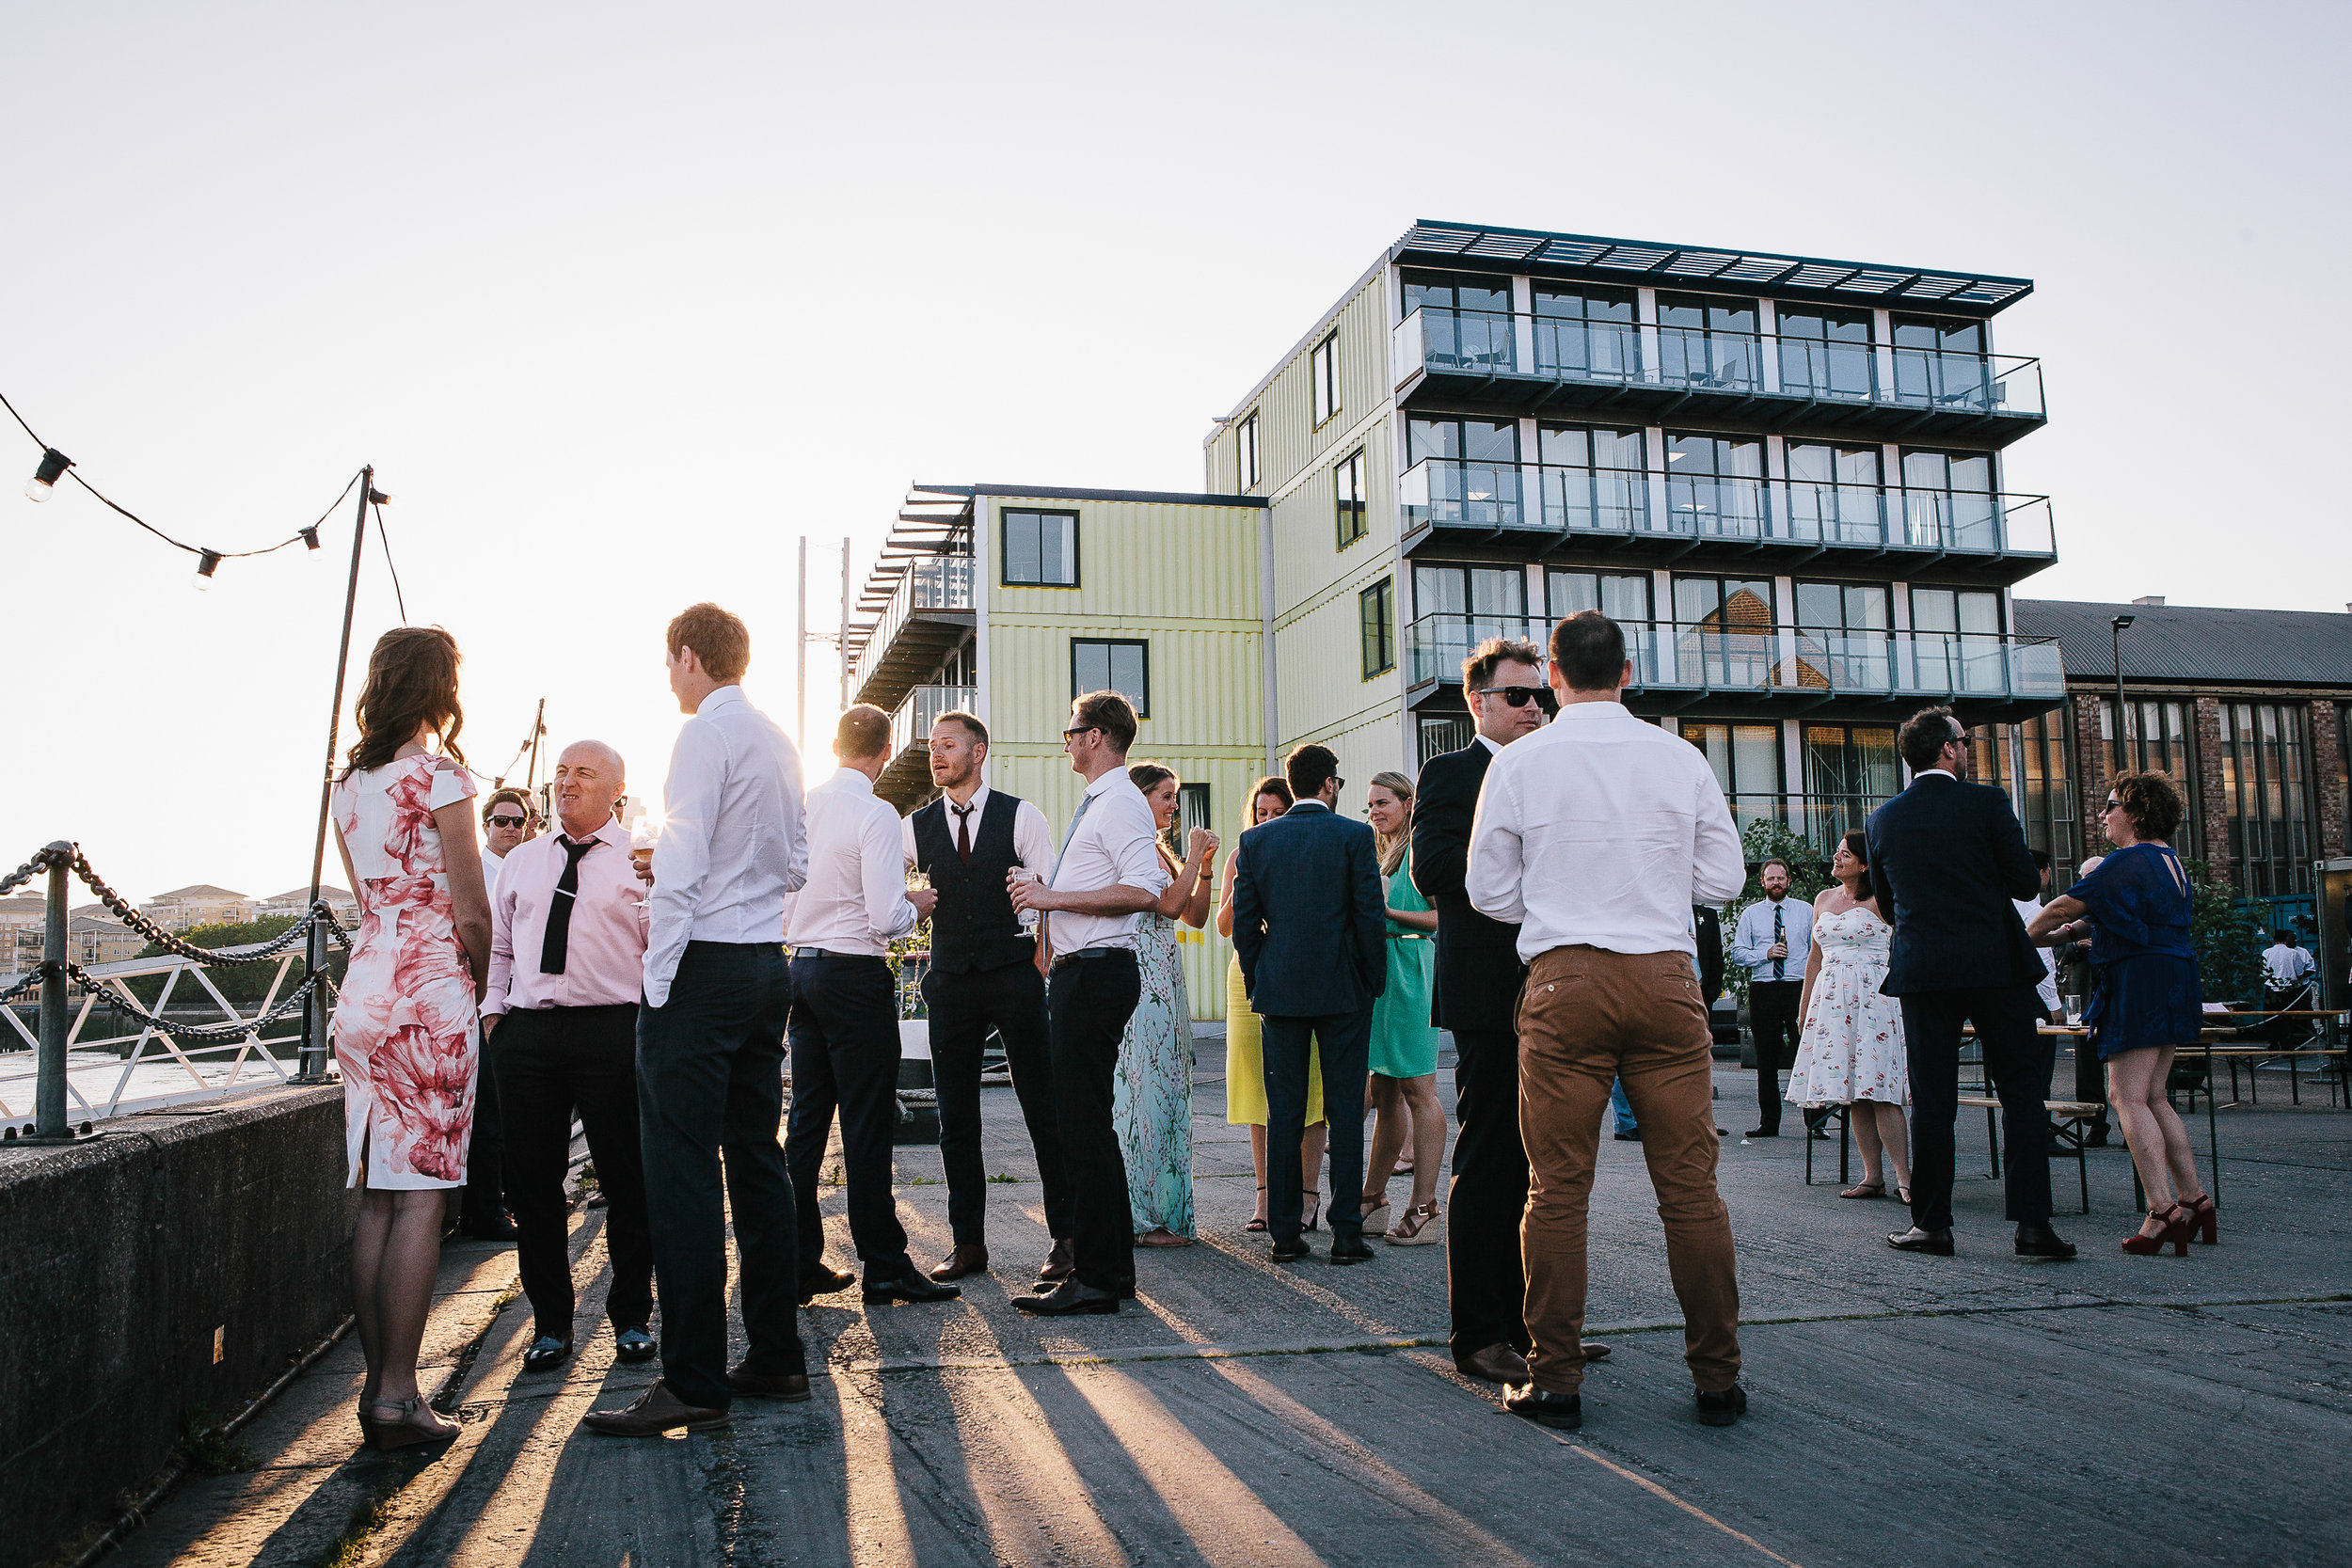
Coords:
pixel 1274 784
pixel 411 686
pixel 2151 801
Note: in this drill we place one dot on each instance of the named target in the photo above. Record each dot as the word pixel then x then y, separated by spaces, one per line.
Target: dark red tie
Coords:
pixel 964 833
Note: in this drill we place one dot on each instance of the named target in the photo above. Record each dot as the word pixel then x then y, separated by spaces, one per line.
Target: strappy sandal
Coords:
pixel 1258 1224
pixel 1421 1225
pixel 412 1421
pixel 1865 1188
pixel 1375 1209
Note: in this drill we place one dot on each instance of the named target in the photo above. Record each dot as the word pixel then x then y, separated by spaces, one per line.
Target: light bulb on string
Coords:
pixel 310 537
pixel 52 467
pixel 207 562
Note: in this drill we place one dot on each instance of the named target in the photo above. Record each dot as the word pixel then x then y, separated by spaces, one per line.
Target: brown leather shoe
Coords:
pixel 1596 1351
pixel 1061 1262
pixel 1496 1363
pixel 654 1412
pixel 963 1261
pixel 786 1387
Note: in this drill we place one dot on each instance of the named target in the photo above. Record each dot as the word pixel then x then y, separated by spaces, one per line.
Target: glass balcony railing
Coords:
pixel 1696 360
pixel 1768 661
pixel 933 583
pixel 921 710
pixel 1447 493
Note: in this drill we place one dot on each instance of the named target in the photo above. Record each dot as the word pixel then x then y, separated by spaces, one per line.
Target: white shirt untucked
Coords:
pixel 855 900
pixel 1601 831
pixel 1112 842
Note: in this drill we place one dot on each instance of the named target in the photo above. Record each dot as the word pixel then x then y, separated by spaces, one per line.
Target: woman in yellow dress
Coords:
pixel 1244 1057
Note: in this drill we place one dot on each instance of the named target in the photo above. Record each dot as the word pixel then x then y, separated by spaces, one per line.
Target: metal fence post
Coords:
pixel 313 1059
pixel 49 1123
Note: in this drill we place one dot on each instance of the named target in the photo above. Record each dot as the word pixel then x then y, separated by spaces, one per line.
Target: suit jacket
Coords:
pixel 1309 922
pixel 1947 861
pixel 1478 972
pixel 1707 928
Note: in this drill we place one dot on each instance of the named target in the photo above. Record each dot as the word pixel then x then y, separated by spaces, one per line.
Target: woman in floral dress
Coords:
pixel 1152 1091
pixel 406 1029
pixel 1851 1050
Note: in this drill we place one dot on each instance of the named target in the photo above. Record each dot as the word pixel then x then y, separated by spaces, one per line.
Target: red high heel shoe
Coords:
pixel 2175 1231
pixel 2203 1217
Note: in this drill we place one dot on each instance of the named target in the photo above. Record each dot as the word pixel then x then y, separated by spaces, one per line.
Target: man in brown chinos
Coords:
pixel 1595 835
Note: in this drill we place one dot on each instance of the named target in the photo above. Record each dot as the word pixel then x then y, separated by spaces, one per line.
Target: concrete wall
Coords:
pixel 122 1257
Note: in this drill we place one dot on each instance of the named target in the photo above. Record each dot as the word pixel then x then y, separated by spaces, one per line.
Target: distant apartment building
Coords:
pixel 201 904
pixel 96 940
pixel 295 902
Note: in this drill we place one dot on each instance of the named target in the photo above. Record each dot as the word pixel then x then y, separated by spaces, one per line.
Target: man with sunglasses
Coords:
pixel 509 821
pixel 1947 857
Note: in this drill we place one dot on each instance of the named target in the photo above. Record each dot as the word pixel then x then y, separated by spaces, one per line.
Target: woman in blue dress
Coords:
pixel 1151 1089
pixel 2148 1002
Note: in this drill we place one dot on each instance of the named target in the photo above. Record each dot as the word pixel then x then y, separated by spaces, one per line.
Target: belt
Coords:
pixel 1085 954
pixel 820 953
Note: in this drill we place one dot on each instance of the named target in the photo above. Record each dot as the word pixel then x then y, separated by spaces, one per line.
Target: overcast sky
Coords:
pixel 622 301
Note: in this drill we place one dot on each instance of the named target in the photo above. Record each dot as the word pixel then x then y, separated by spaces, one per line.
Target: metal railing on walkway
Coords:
pixel 175 1044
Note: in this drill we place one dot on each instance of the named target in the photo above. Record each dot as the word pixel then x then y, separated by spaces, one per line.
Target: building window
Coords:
pixel 1826 354
pixel 1948 502
pixel 1723 632
pixel 1192 811
pixel 1348 481
pixel 2265 788
pixel 1956 640
pixel 1376 607
pixel 1845 636
pixel 1623 596
pixel 1246 450
pixel 1586 334
pixel 1849 771
pixel 2158 738
pixel 1593 479
pixel 1466 320
pixel 1040 550
pixel 1470 470
pixel 1325 367
pixel 1833 494
pixel 2029 760
pixel 1715 486
pixel 1710 343
pixel 1746 760
pixel 1941 362
pixel 1104 664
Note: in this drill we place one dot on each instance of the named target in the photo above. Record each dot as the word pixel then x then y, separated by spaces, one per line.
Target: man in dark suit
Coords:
pixel 1947 859
pixel 1310 927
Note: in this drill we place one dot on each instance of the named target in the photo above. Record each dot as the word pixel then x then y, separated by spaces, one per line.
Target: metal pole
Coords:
pixel 538 730
pixel 49 1123
pixel 313 1059
pixel 799 678
pixel 2122 755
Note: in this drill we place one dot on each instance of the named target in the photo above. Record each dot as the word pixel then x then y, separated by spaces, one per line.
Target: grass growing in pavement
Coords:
pixel 206 1449
pixel 351 1547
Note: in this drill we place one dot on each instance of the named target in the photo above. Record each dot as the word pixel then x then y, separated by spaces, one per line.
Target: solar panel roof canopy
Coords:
pixel 1474 248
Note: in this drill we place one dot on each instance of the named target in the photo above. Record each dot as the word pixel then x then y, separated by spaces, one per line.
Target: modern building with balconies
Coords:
pixel 1781 474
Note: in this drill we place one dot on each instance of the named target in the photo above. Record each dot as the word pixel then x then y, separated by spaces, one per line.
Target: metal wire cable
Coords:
pixel 398 598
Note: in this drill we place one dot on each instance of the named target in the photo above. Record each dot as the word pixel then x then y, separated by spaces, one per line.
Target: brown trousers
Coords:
pixel 1588 1016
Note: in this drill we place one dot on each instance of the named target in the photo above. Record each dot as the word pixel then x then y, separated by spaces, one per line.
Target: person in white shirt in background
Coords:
pixel 2026 909
pixel 1109 871
pixel 1595 835
pixel 2287 972
pixel 845 1016
pixel 710 1042
pixel 509 821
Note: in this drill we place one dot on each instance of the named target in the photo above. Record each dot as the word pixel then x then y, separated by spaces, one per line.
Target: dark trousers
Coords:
pixel 1346 1042
pixel 1776 1025
pixel 845 1058
pixel 2017 1060
pixel 1486 1285
pixel 710 1078
pixel 963 1008
pixel 1087 1003
pixel 486 1150
pixel 552 1061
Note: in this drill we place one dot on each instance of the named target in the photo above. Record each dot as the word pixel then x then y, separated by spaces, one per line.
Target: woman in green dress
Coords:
pixel 1403 1087
pixel 1152 1089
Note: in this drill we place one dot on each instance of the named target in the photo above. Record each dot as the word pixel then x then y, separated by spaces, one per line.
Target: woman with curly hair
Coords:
pixel 405 1029
pixel 2147 1002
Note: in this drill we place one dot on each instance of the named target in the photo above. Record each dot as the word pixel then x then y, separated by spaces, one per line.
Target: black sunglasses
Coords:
pixel 506 821
pixel 1078 729
pixel 1519 696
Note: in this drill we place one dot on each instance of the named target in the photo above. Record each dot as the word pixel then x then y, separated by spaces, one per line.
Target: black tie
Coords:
pixel 1780 966
pixel 553 950
pixel 964 833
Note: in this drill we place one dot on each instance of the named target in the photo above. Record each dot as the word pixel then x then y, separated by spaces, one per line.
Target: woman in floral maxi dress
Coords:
pixel 1152 1091
pixel 406 1029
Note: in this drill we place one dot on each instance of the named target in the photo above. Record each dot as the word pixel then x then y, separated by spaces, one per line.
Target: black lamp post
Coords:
pixel 2122 754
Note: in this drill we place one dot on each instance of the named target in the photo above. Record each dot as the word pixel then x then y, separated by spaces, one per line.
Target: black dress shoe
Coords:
pixel 2097 1136
pixel 1061 1262
pixel 1349 1247
pixel 1633 1137
pixel 496 1227
pixel 634 1344
pixel 962 1261
pixel 910 1286
pixel 823 1281
pixel 545 1352
pixel 1290 1251
pixel 784 1387
pixel 1068 1299
pixel 1935 1243
pixel 1560 1412
pixel 1761 1133
pixel 2040 1241
pixel 1721 1409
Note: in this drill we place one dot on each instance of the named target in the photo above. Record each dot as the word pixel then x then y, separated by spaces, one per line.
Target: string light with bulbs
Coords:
pixel 56 465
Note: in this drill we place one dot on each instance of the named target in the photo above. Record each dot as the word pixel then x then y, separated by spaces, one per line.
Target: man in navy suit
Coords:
pixel 1947 859
pixel 1310 927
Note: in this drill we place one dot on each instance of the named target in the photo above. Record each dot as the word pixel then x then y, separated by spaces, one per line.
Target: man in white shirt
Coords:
pixel 845 1016
pixel 509 821
pixel 2046 988
pixel 2287 972
pixel 1108 872
pixel 710 1042
pixel 987 972
pixel 1596 834
pixel 1772 939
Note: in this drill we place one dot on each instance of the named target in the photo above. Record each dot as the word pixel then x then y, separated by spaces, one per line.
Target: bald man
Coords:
pixel 567 946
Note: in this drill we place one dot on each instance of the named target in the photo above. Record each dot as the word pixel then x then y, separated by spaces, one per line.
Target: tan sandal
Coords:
pixel 1865 1188
pixel 404 1423
pixel 1373 1214
pixel 1421 1225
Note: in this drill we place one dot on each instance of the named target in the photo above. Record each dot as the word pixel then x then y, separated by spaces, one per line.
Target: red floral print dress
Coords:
pixel 406 1029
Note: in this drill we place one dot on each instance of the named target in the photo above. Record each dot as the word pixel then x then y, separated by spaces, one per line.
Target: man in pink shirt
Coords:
pixel 567 946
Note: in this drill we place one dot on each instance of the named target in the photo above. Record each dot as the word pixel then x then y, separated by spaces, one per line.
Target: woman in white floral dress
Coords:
pixel 1851 1050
